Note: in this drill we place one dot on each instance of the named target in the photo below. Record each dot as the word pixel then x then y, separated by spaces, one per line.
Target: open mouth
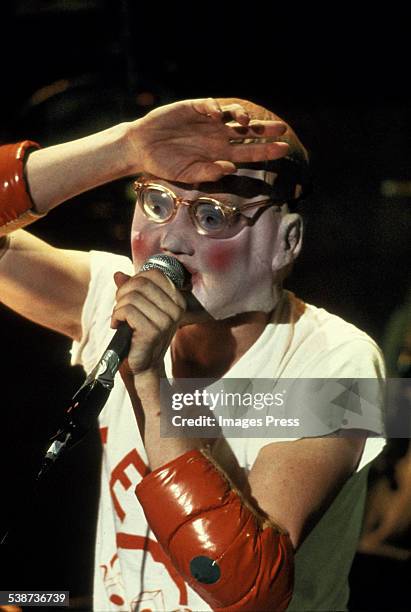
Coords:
pixel 191 277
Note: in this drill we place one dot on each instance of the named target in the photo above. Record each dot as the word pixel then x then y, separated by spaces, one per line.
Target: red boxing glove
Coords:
pixel 215 540
pixel 15 200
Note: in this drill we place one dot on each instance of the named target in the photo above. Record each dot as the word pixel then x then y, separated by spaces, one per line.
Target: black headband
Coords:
pixel 279 179
pixel 282 177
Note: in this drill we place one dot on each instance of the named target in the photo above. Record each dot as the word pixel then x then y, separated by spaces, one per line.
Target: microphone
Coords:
pixel 89 400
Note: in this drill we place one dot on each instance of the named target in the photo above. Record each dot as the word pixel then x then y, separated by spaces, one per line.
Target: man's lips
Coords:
pixel 192 272
pixel 189 269
pixel 193 305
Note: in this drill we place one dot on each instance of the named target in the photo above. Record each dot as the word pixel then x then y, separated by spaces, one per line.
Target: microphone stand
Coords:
pixel 89 400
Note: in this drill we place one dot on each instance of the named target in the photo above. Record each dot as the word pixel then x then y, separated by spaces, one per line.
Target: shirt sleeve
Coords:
pixel 98 307
pixel 346 389
pixel 342 389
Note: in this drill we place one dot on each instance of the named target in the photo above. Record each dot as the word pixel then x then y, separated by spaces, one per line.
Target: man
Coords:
pixel 232 518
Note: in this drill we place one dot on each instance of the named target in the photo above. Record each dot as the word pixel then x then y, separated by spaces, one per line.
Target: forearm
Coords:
pixel 58 173
pixel 210 527
pixel 160 450
pixel 227 551
pixel 33 180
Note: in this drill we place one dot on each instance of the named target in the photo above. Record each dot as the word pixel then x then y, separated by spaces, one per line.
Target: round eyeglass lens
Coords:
pixel 157 204
pixel 209 217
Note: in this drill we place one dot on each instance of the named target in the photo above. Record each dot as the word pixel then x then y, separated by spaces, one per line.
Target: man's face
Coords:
pixel 229 276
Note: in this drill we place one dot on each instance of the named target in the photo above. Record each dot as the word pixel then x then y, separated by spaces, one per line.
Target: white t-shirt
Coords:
pixel 301 341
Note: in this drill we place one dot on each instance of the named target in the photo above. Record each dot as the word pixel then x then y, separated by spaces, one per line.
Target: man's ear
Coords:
pixel 294 234
pixel 289 241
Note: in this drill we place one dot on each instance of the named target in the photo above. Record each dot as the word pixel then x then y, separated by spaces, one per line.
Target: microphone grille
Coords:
pixel 170 266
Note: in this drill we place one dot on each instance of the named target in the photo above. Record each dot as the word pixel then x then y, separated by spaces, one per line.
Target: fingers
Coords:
pixel 257 129
pixel 150 294
pixel 254 130
pixel 143 279
pixel 235 112
pixel 203 172
pixel 258 152
pixel 120 278
pixel 138 311
pixel 208 108
pixel 231 112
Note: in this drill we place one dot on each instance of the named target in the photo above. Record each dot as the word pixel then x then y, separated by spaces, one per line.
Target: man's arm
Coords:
pixel 44 284
pixel 295 482
pixel 186 141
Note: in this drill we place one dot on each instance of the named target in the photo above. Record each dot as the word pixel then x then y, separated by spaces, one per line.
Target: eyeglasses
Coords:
pixel 209 216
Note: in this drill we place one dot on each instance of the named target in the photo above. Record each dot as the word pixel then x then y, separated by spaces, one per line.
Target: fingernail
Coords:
pixel 258 129
pixel 241 130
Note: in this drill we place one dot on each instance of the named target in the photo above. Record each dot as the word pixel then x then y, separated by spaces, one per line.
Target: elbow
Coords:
pixel 258 577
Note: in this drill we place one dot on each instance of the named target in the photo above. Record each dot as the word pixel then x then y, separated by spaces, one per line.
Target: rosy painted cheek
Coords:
pixel 143 247
pixel 220 257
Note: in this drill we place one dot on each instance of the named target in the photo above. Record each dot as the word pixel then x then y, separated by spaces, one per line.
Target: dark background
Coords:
pixel 70 68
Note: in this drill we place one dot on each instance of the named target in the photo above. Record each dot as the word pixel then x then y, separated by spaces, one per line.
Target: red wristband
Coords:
pixel 15 199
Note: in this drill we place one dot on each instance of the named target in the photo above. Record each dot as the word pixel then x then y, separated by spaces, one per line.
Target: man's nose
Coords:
pixel 177 235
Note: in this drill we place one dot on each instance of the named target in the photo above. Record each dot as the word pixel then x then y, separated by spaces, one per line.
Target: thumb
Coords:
pixel 120 278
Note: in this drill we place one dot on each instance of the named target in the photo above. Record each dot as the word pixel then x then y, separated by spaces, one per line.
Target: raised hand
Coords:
pixel 197 140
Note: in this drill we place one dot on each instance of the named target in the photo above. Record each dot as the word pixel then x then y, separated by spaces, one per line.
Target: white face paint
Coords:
pixel 229 276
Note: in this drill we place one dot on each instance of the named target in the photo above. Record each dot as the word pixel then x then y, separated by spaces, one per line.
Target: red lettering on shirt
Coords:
pixel 119 475
pixel 103 434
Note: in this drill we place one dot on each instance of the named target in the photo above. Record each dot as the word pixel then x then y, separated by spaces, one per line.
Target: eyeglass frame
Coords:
pixel 229 210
